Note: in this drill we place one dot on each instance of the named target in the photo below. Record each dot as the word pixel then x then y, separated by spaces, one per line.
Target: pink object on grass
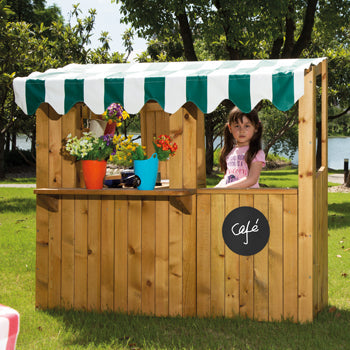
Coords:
pixel 9 327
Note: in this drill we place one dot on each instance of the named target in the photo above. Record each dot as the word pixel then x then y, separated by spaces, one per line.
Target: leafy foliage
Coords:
pixel 35 38
pixel 249 29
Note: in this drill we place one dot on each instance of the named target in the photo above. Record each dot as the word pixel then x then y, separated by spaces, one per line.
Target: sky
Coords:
pixel 107 19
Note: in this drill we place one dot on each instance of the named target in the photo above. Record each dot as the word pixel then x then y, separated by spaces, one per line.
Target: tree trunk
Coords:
pixel 209 146
pixel 186 36
pixel 13 141
pixel 305 36
pixel 33 142
pixel 290 29
pixel 7 142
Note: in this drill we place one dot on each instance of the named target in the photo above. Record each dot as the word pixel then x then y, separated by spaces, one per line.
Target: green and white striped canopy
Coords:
pixel 171 84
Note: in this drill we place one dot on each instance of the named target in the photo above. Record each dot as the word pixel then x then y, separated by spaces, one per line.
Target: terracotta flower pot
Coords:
pixel 94 172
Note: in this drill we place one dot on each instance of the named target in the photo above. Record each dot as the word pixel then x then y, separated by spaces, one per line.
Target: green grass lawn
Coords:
pixel 61 329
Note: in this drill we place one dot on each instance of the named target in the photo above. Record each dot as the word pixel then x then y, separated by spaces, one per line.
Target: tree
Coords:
pixel 227 29
pixel 26 47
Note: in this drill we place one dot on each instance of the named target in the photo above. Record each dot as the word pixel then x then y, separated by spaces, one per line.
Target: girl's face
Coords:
pixel 242 131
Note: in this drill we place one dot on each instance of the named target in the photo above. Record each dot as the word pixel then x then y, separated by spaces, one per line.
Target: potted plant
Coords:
pixel 93 152
pixel 164 147
pixel 114 115
pixel 129 153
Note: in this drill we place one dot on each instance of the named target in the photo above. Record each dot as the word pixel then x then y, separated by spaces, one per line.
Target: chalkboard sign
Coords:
pixel 246 231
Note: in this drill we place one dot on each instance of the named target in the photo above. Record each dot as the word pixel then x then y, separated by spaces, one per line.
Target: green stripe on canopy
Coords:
pixel 73 92
pixel 114 91
pixel 283 91
pixel 35 93
pixel 155 90
pixel 239 91
pixel 196 91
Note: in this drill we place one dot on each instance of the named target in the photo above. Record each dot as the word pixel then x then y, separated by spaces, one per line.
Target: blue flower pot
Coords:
pixel 147 170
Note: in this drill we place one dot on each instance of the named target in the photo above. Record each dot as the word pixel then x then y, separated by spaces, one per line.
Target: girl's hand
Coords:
pixel 221 184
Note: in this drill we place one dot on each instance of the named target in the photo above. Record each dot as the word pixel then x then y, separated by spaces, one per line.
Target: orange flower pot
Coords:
pixel 94 172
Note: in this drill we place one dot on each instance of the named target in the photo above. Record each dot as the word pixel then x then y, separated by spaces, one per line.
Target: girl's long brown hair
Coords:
pixel 234 116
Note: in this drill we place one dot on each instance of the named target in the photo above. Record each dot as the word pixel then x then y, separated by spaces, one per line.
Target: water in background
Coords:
pixel 338 150
pixel 23 142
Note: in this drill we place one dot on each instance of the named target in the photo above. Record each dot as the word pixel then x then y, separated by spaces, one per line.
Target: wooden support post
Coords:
pixel 306 200
pixel 42 214
pixel 323 217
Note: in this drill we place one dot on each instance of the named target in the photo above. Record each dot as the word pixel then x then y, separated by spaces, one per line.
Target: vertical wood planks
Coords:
pixel 201 164
pixel 55 144
pixel 261 268
pixel 154 122
pixel 134 255
pixel 189 149
pixel 323 238
pixel 162 258
pixel 217 256
pixel 148 227
pixel 162 127
pixel 70 124
pixel 290 257
pixel 80 253
pixel 203 254
pixel 176 163
pixel 121 254
pixel 262 286
pixel 94 253
pixel 189 261
pixel 306 205
pixel 175 262
pixel 55 180
pixel 55 251
pixel 246 270
pixel 275 257
pixel 107 253
pixel 232 265
pixel 67 284
pixel 324 114
pixel 42 215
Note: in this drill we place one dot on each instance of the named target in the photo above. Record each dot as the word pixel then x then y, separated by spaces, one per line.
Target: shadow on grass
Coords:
pixel 14 205
pixel 338 215
pixel 119 330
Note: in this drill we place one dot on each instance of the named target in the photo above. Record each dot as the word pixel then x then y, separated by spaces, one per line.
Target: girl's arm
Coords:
pixel 245 182
pixel 221 183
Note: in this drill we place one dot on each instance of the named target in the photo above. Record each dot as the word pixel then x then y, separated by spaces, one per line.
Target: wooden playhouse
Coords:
pixel 161 252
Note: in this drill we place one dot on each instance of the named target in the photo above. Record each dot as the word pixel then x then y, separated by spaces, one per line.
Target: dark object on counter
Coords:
pixel 128 179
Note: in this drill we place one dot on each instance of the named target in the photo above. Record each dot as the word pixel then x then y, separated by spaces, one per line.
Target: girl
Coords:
pixel 242 157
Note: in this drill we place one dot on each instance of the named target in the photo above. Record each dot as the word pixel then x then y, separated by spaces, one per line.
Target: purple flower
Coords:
pixel 115 110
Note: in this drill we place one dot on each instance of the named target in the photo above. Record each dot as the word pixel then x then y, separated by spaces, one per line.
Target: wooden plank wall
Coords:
pixel 142 254
pixel 54 172
pixel 130 254
pixel 186 126
pixel 320 279
pixel 263 286
pixel 154 122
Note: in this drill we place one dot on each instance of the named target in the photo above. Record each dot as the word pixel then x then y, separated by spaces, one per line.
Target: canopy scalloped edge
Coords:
pixel 171 84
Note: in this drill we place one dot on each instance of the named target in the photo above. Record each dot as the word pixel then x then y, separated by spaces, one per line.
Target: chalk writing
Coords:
pixel 244 230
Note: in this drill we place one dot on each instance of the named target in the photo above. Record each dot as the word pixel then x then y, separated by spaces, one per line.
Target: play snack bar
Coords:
pixel 161 252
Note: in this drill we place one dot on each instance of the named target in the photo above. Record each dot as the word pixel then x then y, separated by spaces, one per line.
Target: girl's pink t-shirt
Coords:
pixel 237 167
